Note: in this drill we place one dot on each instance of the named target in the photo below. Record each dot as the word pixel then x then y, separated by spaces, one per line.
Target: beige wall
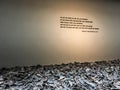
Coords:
pixel 30 32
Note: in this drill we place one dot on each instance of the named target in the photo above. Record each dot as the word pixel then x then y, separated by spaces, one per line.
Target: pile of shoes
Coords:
pixel 99 75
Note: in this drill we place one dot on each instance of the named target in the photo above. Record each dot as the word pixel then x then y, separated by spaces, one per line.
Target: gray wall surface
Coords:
pixel 30 33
